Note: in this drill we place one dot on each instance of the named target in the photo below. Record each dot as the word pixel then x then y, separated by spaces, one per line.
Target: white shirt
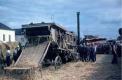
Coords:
pixel 95 48
pixel 8 53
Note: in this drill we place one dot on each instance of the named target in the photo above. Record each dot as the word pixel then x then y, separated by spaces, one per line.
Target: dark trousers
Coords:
pixel 114 60
pixel 8 60
pixel 94 56
pixel 15 57
pixel 91 57
pixel 83 57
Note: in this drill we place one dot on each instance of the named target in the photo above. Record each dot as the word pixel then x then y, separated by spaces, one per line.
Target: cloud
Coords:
pixel 103 13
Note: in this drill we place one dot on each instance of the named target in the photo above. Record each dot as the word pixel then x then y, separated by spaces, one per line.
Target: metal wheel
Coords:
pixel 57 62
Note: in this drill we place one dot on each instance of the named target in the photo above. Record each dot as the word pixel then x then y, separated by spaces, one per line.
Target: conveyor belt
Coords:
pixel 31 56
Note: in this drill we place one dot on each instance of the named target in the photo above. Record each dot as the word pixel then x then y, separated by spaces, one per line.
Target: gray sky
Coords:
pixel 97 17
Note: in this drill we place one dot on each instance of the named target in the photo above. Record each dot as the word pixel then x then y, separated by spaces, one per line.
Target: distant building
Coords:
pixel 20 37
pixel 6 34
pixel 93 39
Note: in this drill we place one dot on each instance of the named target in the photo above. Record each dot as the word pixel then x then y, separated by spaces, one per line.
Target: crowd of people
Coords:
pixel 88 52
pixel 9 57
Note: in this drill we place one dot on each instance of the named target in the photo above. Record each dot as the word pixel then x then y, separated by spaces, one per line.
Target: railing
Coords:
pixel 45 52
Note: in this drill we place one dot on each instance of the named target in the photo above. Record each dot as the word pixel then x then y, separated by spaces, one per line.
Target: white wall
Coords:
pixel 7 33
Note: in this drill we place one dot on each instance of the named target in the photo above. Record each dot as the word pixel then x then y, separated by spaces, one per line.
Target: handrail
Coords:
pixel 45 51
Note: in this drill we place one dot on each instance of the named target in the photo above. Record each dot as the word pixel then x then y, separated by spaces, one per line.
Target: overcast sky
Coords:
pixel 97 17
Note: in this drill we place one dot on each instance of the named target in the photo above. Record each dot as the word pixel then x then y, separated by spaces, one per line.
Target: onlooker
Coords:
pixel 80 51
pixel 1 58
pixel 2 61
pixel 15 55
pixel 83 53
pixel 88 52
pixel 91 53
pixel 113 50
pixel 19 50
pixel 95 51
pixel 119 50
pixel 8 58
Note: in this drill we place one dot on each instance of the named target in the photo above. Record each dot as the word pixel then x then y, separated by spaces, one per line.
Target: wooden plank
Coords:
pixel 45 52
pixel 17 68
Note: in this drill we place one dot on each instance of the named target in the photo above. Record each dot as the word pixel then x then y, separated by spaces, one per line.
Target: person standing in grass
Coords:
pixel 0 58
pixel 15 55
pixel 8 58
pixel 91 50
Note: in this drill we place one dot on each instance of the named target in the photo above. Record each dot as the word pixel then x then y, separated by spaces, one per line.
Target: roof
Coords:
pixel 90 36
pixel 18 31
pixel 95 39
pixel 70 33
pixel 3 26
pixel 42 25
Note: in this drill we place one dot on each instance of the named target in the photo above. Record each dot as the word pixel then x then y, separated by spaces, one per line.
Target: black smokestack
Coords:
pixel 78 28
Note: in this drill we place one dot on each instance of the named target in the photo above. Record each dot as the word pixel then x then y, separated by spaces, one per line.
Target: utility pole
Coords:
pixel 78 28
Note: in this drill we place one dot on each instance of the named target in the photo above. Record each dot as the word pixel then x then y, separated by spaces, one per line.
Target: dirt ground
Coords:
pixel 102 69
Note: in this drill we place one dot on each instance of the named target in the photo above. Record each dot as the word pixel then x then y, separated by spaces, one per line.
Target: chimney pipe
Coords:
pixel 78 28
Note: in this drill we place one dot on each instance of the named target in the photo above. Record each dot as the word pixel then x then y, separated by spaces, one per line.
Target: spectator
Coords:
pixel 15 55
pixel 8 58
pixel 119 50
pixel 88 52
pixel 2 61
pixel 83 53
pixel 80 51
pixel 1 58
pixel 113 50
pixel 95 51
pixel 91 50
pixel 19 50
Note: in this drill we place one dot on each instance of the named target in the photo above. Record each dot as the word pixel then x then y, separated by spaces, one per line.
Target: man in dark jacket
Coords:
pixel 82 52
pixel 115 56
pixel 15 55
pixel 91 50
pixel 8 58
